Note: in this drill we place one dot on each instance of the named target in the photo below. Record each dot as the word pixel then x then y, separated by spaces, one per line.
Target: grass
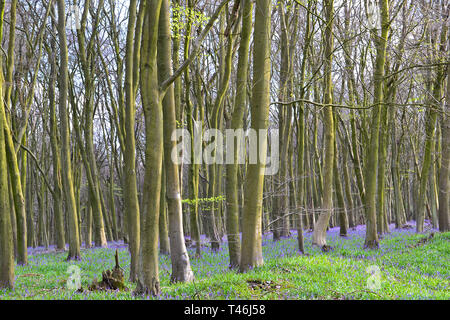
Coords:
pixel 406 271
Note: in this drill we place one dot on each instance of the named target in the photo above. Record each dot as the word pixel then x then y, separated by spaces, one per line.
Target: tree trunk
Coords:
pixel 148 274
pixel 342 209
pixel 66 165
pixel 372 154
pixel 237 122
pixel 444 172
pixel 164 245
pixel 181 267
pixel 131 202
pixel 319 235
pixel 251 253
pixel 193 129
pixel 6 240
pixel 430 134
pixel 56 154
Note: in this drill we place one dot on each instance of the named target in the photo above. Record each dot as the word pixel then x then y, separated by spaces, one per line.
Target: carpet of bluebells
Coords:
pixel 401 269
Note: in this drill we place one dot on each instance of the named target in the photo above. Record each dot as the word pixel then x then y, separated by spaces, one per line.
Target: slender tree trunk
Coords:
pixel 6 240
pixel 30 210
pixel 66 165
pixel 193 128
pixel 284 123
pixel 17 192
pixel 88 219
pixel 382 222
pixel 301 138
pixel 215 169
pixel 42 221
pixel 237 123
pixel 181 267
pixel 56 155
pixel 131 202
pixel 372 155
pixel 164 245
pixel 348 190
pixel 444 172
pixel 399 208
pixel 430 135
pixel 353 99
pixel 17 197
pixel 112 202
pixel 148 275
pixel 251 253
pixel 85 52
pixel 342 209
pixel 11 53
pixel 319 235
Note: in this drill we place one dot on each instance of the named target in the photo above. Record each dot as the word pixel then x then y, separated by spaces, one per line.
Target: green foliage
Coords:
pixel 289 4
pixel 204 203
pixel 180 125
pixel 181 16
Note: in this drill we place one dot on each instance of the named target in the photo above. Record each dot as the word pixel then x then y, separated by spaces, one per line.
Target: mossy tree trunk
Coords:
pixel 148 274
pixel 237 123
pixel 131 202
pixel 444 172
pixel 66 163
pixel 86 54
pixel 215 168
pixel 181 267
pixel 281 201
pixel 193 127
pixel 251 253
pixel 56 154
pixel 6 240
pixel 371 169
pixel 430 132
pixel 341 206
pixel 164 245
pixel 319 235
pixel 11 156
pixel 382 221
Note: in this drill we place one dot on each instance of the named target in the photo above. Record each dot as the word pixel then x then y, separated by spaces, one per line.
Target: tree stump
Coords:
pixel 111 279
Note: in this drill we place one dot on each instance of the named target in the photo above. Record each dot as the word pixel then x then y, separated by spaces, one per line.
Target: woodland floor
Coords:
pixel 409 269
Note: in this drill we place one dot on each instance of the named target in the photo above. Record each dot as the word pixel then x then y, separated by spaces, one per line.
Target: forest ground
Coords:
pixel 409 268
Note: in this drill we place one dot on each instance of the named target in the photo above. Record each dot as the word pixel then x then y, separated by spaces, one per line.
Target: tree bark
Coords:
pixel 380 41
pixel 6 239
pixel 148 274
pixel 319 235
pixel 251 253
pixel 181 267
pixel 430 132
pixel 237 122
pixel 444 172
pixel 131 202
pixel 66 165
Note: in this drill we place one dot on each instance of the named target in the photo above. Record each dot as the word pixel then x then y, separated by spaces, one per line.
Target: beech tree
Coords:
pixel 445 164
pixel 251 252
pixel 380 41
pixel 319 236
pixel 6 241
pixel 72 216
